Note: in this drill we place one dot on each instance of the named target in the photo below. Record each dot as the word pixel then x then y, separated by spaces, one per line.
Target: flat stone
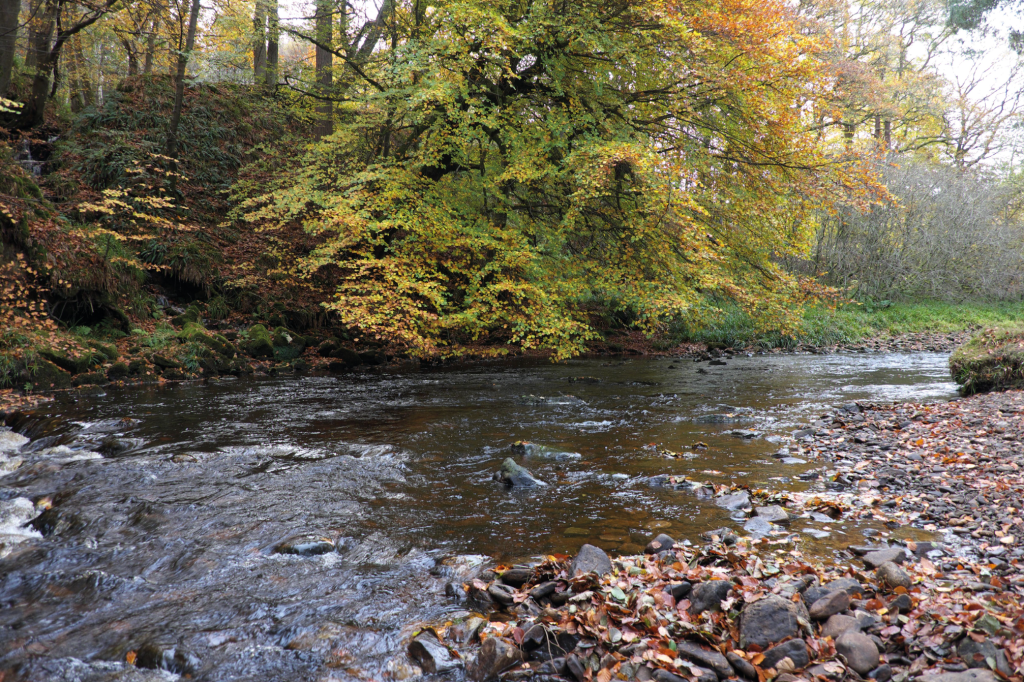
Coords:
pixel 901 603
pixel 496 655
pixel 892 576
pixel 544 590
pixel 768 620
pixel 305 545
pixel 859 650
pixel 973 675
pixel 830 605
pixel 795 651
pixel 590 559
pixel 659 544
pixel 878 557
pixel 758 526
pixel 431 655
pixel 734 502
pixel 772 513
pixel 703 675
pixel 849 585
pixel 517 577
pixel 838 624
pixel 708 595
pixel 705 658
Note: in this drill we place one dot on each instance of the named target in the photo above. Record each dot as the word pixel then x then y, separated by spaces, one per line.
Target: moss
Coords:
pixel 194 332
pixel 109 351
pixel 118 370
pixel 70 363
pixel 259 344
pixel 192 315
pixel 991 361
pixel 89 379
pixel 46 375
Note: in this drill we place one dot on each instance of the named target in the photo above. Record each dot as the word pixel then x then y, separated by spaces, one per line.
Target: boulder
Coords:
pixel 679 590
pixel 259 343
pixel 830 605
pixel 431 655
pixel 513 475
pixel 708 595
pixel 795 651
pixel 769 620
pixel 892 576
pixel 305 544
pixel 859 650
pixel 590 559
pixel 495 656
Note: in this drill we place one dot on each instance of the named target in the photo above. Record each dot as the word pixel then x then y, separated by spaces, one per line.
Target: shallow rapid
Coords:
pixel 168 537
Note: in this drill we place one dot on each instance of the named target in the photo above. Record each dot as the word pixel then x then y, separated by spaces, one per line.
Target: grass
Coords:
pixel 854 323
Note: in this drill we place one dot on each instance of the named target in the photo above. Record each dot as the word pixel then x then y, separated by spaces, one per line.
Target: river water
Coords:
pixel 171 542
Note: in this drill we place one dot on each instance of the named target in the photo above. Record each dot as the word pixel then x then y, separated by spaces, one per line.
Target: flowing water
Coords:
pixel 171 541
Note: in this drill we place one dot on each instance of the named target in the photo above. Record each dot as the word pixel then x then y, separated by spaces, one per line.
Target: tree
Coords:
pixel 324 25
pixel 179 88
pixel 259 41
pixel 504 170
pixel 8 40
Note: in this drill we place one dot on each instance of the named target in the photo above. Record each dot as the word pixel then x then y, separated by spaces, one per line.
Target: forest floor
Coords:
pixel 950 610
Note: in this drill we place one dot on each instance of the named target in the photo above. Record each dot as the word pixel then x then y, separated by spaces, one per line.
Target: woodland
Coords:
pixel 193 187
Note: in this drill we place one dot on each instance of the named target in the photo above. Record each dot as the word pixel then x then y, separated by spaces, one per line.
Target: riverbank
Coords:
pixel 757 608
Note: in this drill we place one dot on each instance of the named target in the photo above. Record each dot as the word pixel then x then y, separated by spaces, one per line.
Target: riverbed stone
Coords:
pixel 758 526
pixel 892 576
pixel 830 605
pixel 11 441
pixel 708 595
pixel 773 513
pixel 431 655
pixel 972 675
pixel 517 577
pixel 794 650
pixel 705 658
pixel 734 502
pixel 978 654
pixel 590 559
pixel 769 620
pixel 859 650
pixel 703 675
pixel 882 673
pixel 880 556
pixel 742 666
pixel 495 656
pixel 838 624
pixel 513 475
pixel 659 544
pixel 305 544
pixel 849 585
pixel 538 451
pixel 679 590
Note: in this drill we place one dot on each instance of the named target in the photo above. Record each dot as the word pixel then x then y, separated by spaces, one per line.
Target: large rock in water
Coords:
pixel 769 620
pixel 431 655
pixel 513 475
pixel 590 560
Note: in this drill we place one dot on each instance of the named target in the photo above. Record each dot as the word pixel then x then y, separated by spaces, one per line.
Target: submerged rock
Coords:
pixel 513 475
pixel 537 451
pixel 431 655
pixel 306 544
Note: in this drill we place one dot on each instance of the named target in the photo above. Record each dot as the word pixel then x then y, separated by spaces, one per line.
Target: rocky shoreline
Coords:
pixel 756 608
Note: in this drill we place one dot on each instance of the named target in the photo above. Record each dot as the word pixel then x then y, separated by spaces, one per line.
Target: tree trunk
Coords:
pixel 273 36
pixel 8 36
pixel 324 68
pixel 154 28
pixel 179 92
pixel 79 84
pixel 34 23
pixel 133 60
pixel 259 42
pixel 45 59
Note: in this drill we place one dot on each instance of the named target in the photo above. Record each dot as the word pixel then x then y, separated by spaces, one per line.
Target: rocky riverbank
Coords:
pixel 755 607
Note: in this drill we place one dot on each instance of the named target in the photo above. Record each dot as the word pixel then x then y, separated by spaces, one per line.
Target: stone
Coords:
pixel 590 559
pixel 977 655
pixel 768 620
pixel 679 590
pixel 859 650
pixel 830 605
pixel 501 594
pixel 972 675
pixel 112 446
pixel 513 475
pixel 742 666
pixel 659 544
pixel 832 672
pixel 794 650
pixel 708 595
pixel 892 576
pixel 901 603
pixel 479 600
pixel 517 577
pixel 880 556
pixel 544 643
pixel 169 658
pixel 758 526
pixel 11 441
pixel 734 502
pixel 495 656
pixel 849 585
pixel 703 675
pixel 577 667
pixel 705 658
pixel 544 590
pixel 537 451
pixel 882 673
pixel 772 513
pixel 431 655
pixel 556 666
pixel 838 624
pixel 305 544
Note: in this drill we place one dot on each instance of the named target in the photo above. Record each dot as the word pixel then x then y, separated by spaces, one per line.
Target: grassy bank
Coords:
pixel 856 322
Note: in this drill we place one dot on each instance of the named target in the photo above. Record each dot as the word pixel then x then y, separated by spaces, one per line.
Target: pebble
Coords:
pixel 859 650
pixel 892 576
pixel 795 651
pixel 838 624
pixel 830 605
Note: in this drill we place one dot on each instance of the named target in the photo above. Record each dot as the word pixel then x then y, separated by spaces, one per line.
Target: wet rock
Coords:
pixel 479 599
pixel 708 595
pixel 517 577
pixel 501 594
pixel 576 667
pixel 11 442
pixel 973 675
pixel 544 643
pixel 495 656
pixel 660 543
pixel 118 371
pixel 556 666
pixel 513 475
pixel 859 650
pixel 978 655
pixel 892 576
pixel 705 658
pixel 112 446
pixel 795 651
pixel 772 513
pixel 734 502
pixel 166 657
pixel 545 589
pixel 758 526
pixel 431 655
pixel 590 559
pixel 703 675
pixel 742 666
pixel 306 544
pixel 830 605
pixel 679 590
pixel 537 451
pixel 769 620
pixel 878 557
pixel 54 521
pixel 838 624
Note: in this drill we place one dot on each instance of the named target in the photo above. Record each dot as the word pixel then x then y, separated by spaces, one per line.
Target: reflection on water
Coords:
pixel 169 536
